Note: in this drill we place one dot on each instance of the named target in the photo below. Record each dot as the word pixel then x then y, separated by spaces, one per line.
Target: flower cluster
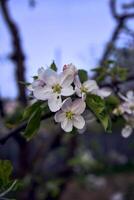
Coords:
pixel 126 109
pixel 57 90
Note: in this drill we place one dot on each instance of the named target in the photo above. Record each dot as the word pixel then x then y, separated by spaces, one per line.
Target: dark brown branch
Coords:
pixel 17 130
pixel 121 23
pixel 17 56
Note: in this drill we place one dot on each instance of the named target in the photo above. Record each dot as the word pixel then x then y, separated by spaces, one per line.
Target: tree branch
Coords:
pixel 17 56
pixel 121 23
pixel 13 133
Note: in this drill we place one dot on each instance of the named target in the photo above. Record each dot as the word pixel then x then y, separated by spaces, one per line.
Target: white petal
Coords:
pixel 42 93
pixel 126 132
pixel 77 82
pixel 104 92
pixel 78 121
pixel 90 85
pixel 67 91
pixel 78 106
pixel 41 73
pixel 66 79
pixel 51 80
pixel 66 104
pixel 67 125
pixel 54 103
pixel 60 116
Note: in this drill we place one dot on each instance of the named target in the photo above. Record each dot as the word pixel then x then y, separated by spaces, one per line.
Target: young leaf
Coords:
pixel 30 109
pixel 5 173
pixel 53 66
pixel 83 75
pixel 33 124
pixel 97 105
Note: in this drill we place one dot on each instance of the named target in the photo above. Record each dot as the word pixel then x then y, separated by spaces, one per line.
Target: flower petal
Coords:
pixel 126 131
pixel 77 82
pixel 78 121
pixel 90 85
pixel 78 106
pixel 67 91
pixel 104 92
pixel 42 93
pixel 60 116
pixel 55 103
pixel 66 79
pixel 66 104
pixel 41 73
pixel 67 125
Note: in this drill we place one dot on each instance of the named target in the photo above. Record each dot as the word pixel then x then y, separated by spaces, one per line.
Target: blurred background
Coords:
pixel 54 165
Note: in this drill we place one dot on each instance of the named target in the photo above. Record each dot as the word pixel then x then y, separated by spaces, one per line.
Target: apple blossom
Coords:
pixel 70 114
pixel 126 109
pixel 56 85
pixel 90 86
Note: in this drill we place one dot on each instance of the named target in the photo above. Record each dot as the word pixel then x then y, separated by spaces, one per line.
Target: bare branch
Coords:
pixel 121 23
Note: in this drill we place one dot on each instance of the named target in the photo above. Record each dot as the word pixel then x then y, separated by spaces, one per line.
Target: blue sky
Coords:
pixel 64 30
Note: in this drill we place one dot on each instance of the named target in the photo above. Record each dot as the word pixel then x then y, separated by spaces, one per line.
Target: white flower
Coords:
pixel 55 87
pixel 40 81
pixel 70 114
pixel 127 131
pixel 89 86
pixel 70 69
pixel 128 105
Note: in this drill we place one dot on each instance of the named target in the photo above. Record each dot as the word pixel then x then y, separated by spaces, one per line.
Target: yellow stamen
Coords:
pixel 84 89
pixel 69 115
pixel 57 88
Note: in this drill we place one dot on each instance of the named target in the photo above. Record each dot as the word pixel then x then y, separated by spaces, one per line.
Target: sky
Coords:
pixel 67 31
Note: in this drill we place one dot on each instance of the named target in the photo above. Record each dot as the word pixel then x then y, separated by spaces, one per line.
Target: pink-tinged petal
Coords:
pixel 67 125
pixel 70 68
pixel 66 104
pixel 60 116
pixel 67 91
pixel 66 79
pixel 90 85
pixel 78 106
pixel 38 83
pixel 54 103
pixel 78 121
pixel 42 93
pixel 126 131
pixel 78 92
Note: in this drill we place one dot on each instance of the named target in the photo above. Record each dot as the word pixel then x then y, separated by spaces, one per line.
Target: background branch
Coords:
pixel 17 56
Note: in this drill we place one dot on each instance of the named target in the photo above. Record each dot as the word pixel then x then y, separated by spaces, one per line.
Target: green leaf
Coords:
pixel 83 75
pixel 5 173
pixel 30 109
pixel 53 66
pixel 97 105
pixel 33 124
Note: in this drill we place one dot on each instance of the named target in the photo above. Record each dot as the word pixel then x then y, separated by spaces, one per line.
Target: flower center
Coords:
pixel 69 115
pixel 57 88
pixel 84 89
